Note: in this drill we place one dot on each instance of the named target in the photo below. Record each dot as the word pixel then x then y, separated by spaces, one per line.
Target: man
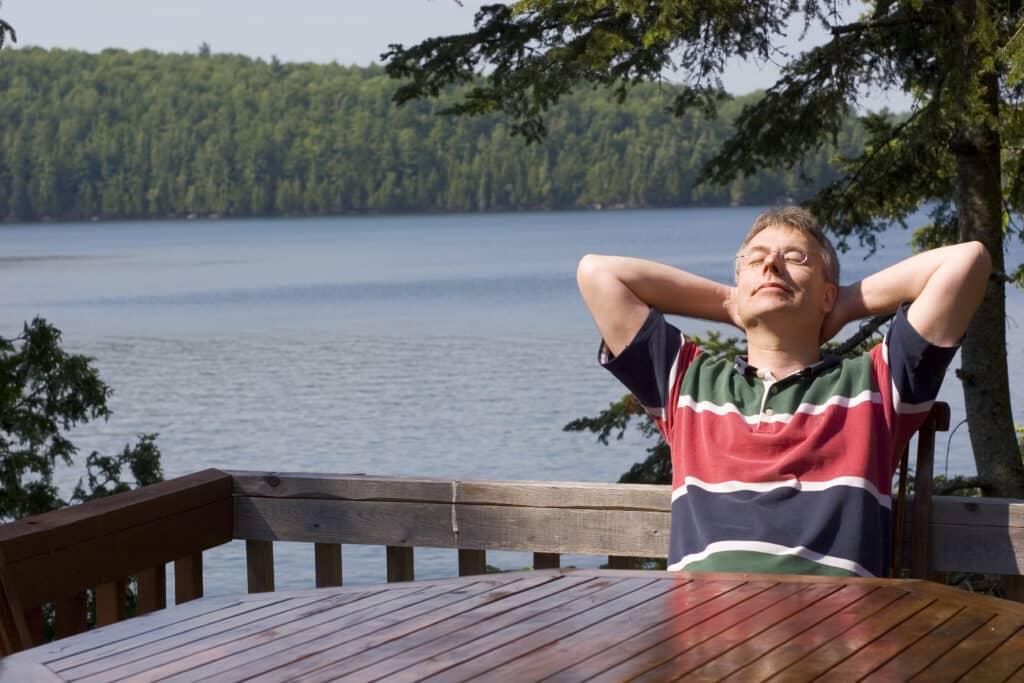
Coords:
pixel 783 460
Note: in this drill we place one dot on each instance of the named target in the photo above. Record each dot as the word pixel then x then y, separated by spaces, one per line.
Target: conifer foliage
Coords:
pixel 145 135
pixel 45 392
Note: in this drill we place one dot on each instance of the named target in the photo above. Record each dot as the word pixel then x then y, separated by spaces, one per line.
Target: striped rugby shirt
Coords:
pixel 789 475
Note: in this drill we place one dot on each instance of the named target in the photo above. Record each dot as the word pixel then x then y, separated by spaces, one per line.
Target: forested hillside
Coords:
pixel 148 135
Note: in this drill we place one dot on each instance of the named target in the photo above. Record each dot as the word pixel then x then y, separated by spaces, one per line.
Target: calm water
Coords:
pixel 447 346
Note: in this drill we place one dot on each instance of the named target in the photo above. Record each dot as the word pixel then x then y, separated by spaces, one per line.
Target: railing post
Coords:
pixel 400 564
pixel 620 562
pixel 259 560
pixel 111 602
pixel 34 621
pixel 546 560
pixel 327 558
pixel 70 616
pixel 188 578
pixel 152 590
pixel 1015 588
pixel 472 562
pixel 14 635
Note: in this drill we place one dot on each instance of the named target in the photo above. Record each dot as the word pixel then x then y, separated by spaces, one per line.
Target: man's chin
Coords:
pixel 780 314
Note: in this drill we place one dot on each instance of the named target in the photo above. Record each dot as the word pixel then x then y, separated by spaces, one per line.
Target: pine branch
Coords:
pixel 873 24
pixel 7 30
pixel 869 158
pixel 867 328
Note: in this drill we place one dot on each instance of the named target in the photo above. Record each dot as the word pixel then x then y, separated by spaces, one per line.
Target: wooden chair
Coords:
pixel 921 517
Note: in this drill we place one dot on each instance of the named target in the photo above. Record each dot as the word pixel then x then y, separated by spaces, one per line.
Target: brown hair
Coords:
pixel 802 221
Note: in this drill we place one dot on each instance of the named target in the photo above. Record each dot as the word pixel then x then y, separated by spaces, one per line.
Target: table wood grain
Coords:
pixel 558 625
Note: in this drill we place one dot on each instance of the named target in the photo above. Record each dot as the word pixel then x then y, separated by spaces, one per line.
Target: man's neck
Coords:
pixel 782 356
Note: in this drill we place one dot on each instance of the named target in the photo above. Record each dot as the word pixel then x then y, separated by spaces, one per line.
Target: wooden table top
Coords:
pixel 559 625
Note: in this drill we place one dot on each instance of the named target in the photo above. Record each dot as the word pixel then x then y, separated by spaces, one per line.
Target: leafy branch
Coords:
pixel 45 392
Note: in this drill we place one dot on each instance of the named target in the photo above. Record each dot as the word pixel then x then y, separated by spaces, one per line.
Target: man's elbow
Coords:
pixel 970 275
pixel 978 260
pixel 585 266
pixel 589 271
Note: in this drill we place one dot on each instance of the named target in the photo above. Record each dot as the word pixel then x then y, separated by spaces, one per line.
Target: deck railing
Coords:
pixel 55 558
pixel 547 518
pixel 982 535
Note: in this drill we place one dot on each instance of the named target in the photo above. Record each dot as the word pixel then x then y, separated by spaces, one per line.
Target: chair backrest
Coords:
pixel 921 517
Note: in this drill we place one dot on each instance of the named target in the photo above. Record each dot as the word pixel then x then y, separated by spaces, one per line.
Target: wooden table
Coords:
pixel 565 625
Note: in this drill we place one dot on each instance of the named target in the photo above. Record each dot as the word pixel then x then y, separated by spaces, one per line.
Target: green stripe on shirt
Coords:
pixel 719 385
pixel 762 563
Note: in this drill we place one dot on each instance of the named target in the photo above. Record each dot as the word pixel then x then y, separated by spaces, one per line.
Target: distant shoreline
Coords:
pixel 149 136
pixel 370 213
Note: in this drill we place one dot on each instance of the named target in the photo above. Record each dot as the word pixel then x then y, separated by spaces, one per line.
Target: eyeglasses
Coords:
pixel 755 257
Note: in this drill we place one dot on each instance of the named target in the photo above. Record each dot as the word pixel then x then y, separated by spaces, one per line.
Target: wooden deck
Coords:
pixel 565 625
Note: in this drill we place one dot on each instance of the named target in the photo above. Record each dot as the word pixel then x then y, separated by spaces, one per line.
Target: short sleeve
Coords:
pixel 650 366
pixel 910 371
pixel 916 366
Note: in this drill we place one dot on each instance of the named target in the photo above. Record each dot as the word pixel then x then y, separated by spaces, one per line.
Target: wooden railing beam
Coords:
pixel 60 553
pixel 595 531
pixel 543 494
pixel 982 535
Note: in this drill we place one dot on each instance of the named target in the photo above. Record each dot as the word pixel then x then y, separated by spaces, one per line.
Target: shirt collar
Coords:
pixel 744 368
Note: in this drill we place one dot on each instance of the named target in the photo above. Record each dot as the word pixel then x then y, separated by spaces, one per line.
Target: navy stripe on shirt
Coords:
pixel 645 365
pixel 918 378
pixel 841 521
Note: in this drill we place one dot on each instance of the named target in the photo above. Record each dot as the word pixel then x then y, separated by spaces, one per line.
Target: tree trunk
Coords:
pixel 983 370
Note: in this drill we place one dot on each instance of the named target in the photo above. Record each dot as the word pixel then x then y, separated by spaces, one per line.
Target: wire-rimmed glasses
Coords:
pixel 756 256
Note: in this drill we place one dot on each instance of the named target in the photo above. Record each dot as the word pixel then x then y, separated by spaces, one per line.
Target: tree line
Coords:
pixel 147 135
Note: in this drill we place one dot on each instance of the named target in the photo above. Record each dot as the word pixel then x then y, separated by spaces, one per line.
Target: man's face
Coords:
pixel 774 288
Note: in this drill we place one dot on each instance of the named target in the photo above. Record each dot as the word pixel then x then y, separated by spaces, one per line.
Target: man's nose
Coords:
pixel 772 261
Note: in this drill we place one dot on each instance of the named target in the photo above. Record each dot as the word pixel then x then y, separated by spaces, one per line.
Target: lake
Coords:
pixel 442 345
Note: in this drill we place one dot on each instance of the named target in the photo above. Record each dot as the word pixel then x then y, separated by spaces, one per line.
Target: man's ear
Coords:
pixel 828 301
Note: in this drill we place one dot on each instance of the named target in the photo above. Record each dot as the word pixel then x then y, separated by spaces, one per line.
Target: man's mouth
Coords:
pixel 771 286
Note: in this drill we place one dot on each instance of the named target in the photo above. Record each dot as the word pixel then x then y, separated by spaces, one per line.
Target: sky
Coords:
pixel 344 31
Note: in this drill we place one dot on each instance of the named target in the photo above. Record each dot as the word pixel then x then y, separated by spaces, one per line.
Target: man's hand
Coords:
pixel 731 308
